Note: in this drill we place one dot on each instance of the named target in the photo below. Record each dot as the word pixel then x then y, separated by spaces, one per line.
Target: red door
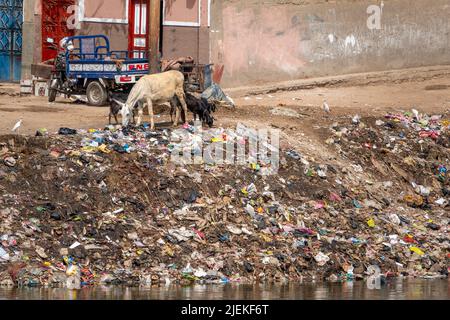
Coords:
pixel 138 22
pixel 54 24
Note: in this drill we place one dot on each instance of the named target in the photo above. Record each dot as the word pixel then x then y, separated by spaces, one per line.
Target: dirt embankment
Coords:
pixel 112 205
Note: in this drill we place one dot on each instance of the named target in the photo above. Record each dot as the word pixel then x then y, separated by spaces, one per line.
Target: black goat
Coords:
pixel 198 106
pixel 114 106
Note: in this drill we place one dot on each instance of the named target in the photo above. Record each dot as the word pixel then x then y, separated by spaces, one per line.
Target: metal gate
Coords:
pixel 11 20
pixel 54 24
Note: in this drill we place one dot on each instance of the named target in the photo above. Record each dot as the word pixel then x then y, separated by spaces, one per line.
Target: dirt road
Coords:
pixel 427 95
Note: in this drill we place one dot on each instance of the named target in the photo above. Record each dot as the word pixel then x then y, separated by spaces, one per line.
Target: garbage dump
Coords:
pixel 108 206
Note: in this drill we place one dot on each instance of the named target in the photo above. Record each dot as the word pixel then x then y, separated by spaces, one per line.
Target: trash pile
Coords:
pixel 108 206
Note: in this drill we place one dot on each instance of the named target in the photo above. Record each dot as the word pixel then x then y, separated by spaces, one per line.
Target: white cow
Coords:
pixel 152 90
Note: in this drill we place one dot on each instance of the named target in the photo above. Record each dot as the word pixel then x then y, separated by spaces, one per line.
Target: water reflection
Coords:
pixel 393 290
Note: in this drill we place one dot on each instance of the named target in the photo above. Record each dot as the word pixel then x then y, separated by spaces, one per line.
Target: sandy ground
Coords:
pixel 427 95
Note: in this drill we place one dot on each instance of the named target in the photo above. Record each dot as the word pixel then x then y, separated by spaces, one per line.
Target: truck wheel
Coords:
pixel 52 95
pixel 96 94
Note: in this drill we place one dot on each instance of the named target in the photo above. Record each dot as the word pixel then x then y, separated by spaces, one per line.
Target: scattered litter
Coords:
pixel 107 206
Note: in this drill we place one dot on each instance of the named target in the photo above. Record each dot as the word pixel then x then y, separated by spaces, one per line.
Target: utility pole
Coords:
pixel 153 35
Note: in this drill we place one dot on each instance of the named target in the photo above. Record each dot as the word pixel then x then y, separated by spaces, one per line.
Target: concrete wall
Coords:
pixel 31 38
pixel 112 9
pixel 178 41
pixel 116 32
pixel 186 41
pixel 275 40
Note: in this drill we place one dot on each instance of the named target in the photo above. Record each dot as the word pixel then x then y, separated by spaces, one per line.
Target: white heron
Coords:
pixel 326 107
pixel 17 126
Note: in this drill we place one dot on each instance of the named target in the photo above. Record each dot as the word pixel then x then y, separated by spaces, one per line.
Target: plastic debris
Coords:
pixel 108 206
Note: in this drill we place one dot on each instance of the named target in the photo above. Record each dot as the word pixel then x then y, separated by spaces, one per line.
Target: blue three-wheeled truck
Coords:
pixel 85 65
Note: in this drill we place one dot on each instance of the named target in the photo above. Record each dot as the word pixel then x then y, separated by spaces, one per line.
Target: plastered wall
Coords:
pixel 275 40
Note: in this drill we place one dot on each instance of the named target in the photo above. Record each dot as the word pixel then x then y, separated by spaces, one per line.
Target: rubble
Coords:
pixel 109 207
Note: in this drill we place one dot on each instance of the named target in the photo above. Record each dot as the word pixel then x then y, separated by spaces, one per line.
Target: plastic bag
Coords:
pixel 214 92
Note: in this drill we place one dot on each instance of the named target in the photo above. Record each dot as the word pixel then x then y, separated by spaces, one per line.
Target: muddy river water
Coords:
pixel 398 289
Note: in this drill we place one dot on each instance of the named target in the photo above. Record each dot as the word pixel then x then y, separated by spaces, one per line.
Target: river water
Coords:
pixel 397 289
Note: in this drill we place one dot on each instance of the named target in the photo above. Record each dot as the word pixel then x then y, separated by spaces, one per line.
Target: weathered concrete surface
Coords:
pixel 31 38
pixel 116 32
pixel 186 41
pixel 177 41
pixel 277 40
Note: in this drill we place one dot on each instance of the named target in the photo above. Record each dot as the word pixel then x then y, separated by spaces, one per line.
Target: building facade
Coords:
pixel 251 41
pixel 184 26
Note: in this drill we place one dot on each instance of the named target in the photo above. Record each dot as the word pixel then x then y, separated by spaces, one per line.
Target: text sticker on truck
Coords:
pixel 138 67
